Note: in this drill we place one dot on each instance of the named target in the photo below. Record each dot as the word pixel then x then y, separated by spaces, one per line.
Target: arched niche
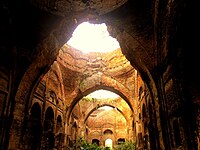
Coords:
pixel 96 141
pixel 48 140
pixel 107 131
pixel 34 128
pixel 49 119
pixel 59 124
pixel 120 141
pixel 59 135
pixel 36 111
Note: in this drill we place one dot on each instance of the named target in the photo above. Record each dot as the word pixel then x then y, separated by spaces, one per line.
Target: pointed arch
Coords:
pixel 94 108
pixel 111 88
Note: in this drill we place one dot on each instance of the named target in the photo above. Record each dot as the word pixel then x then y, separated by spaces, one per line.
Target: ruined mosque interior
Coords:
pixel 138 82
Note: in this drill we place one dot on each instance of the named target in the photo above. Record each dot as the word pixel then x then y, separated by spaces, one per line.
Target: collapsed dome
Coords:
pixel 89 37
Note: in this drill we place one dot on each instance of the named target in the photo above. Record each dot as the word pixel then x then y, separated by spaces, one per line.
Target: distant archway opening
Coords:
pixel 109 143
pixel 48 137
pixel 34 127
pixel 117 93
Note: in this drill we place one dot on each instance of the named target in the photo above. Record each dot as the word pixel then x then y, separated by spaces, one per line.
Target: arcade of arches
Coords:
pixel 45 84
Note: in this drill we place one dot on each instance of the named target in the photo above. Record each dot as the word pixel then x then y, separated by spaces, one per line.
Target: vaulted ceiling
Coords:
pixel 77 74
pixel 147 38
pixel 37 31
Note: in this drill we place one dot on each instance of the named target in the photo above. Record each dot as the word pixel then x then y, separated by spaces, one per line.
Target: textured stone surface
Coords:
pixel 62 7
pixel 161 74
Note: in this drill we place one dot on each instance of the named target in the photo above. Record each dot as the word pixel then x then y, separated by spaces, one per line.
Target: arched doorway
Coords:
pixel 59 138
pixel 96 141
pixel 120 141
pixel 34 128
pixel 109 143
pixel 48 135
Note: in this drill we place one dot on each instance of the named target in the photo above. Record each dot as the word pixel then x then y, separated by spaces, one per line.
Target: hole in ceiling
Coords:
pixel 89 37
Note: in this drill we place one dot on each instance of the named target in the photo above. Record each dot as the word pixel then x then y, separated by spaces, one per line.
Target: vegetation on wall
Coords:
pixel 89 99
pixel 81 144
pixel 126 146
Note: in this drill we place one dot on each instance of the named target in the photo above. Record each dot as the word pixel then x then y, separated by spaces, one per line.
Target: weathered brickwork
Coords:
pixel 44 82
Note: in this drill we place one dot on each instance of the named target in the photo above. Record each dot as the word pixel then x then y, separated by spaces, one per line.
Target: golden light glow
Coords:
pixel 106 108
pixel 102 94
pixel 108 143
pixel 93 38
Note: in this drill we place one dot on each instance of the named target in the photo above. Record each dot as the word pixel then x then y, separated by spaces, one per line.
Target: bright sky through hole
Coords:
pixel 102 94
pixel 93 38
